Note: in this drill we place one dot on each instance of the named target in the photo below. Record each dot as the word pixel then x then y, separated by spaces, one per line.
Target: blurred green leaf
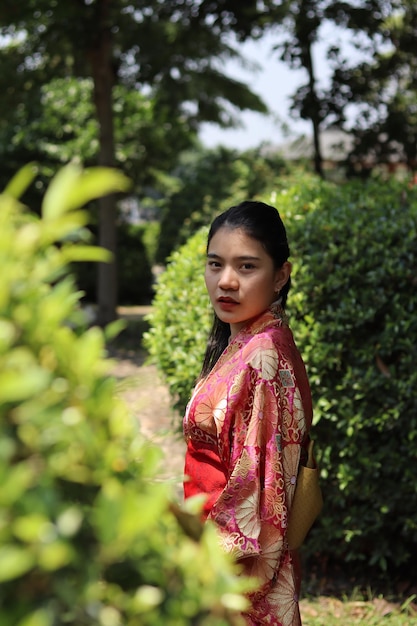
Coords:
pixel 85 253
pixel 14 387
pixel 14 561
pixel 41 617
pixel 16 481
pixel 21 180
pixel 73 187
pixel 55 555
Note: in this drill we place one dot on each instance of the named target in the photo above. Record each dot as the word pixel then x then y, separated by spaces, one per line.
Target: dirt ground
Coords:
pixel 149 400
pixel 147 396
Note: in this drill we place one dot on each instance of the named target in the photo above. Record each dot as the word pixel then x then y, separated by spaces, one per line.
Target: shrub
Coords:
pixel 180 319
pixel 88 534
pixel 353 311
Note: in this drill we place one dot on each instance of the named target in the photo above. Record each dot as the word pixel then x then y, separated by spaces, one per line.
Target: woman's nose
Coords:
pixel 228 279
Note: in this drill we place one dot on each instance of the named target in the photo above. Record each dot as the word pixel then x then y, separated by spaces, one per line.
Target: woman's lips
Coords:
pixel 227 304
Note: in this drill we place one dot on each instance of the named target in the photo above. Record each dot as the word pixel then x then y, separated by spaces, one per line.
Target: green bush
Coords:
pixel 353 309
pixel 87 531
pixel 180 319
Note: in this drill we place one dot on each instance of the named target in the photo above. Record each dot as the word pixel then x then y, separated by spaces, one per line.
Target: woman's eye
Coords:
pixel 248 266
pixel 213 264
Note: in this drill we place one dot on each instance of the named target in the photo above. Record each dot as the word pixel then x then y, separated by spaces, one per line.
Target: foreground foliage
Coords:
pixel 87 533
pixel 353 311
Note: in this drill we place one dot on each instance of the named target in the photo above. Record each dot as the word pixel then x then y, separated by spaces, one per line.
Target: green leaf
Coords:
pixel 114 329
pixel 14 562
pixel 37 618
pixel 86 253
pixel 30 528
pixel 73 187
pixel 15 387
pixel 55 555
pixel 7 334
pixel 19 478
pixel 21 181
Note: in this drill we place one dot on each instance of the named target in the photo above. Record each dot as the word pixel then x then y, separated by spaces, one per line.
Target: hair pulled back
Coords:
pixel 259 221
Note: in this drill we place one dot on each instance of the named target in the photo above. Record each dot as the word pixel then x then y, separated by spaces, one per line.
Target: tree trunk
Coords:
pixel 315 113
pixel 103 79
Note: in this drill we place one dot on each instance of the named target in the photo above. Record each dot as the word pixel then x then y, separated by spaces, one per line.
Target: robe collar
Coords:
pixel 273 316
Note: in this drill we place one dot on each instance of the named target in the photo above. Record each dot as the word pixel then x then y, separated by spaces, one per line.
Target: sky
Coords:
pixel 275 82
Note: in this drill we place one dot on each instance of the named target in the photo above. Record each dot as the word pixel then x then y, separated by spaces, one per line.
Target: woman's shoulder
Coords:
pixel 271 337
pixel 270 350
pixel 262 354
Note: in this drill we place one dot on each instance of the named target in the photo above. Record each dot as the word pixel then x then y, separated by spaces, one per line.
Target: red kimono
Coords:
pixel 245 427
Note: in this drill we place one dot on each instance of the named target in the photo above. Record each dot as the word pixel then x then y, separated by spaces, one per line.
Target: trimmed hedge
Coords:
pixel 353 310
pixel 88 534
pixel 181 318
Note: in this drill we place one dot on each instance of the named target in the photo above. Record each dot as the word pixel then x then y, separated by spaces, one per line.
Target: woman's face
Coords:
pixel 240 277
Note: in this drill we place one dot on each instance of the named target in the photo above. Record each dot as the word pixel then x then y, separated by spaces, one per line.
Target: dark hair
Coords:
pixel 263 223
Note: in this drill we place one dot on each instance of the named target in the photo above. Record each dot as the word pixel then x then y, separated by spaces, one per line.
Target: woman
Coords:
pixel 247 422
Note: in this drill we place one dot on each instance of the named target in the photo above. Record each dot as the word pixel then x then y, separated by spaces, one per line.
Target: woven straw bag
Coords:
pixel 307 502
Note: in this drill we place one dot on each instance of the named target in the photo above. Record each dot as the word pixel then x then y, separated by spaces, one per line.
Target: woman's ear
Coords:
pixel 282 275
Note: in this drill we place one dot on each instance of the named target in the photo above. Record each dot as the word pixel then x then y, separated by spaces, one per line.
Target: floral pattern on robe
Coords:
pixel 245 426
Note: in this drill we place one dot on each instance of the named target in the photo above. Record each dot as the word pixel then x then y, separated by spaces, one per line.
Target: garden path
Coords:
pixel 146 394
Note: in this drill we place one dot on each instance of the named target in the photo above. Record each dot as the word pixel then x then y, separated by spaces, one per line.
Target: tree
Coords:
pixel 382 86
pixel 169 49
pixel 301 24
pixel 59 125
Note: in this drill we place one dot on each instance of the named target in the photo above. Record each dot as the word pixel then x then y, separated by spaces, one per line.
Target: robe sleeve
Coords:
pixel 251 512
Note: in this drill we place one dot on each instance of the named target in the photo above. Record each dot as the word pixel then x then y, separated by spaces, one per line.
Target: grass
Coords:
pixel 330 611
